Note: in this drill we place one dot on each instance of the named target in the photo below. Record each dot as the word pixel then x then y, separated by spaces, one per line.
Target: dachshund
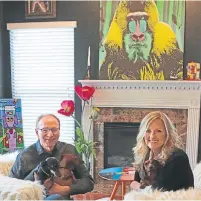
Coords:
pixel 152 170
pixel 47 169
pixel 59 172
pixel 65 171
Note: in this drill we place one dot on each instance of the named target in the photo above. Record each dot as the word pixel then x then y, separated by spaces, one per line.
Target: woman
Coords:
pixel 158 137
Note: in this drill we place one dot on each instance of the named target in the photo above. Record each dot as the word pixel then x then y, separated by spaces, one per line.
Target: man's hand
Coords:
pixel 56 188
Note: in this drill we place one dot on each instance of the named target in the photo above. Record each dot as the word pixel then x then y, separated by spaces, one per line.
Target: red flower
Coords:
pixel 85 93
pixel 68 108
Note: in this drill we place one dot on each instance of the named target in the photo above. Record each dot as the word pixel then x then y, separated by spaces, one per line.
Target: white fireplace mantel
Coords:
pixel 143 84
pixel 152 94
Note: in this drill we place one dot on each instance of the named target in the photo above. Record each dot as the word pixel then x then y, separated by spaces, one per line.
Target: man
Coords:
pixel 48 131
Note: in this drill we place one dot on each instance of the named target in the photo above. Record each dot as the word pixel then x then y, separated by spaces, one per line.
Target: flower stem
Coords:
pixel 90 129
pixel 82 110
pixel 78 123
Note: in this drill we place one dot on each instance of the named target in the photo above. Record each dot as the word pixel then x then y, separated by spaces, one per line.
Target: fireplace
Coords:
pixel 119 139
pixel 129 101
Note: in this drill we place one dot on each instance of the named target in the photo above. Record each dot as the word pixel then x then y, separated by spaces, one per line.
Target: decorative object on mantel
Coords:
pixel 40 9
pixel 88 77
pixel 193 71
pixel 83 143
pixel 134 47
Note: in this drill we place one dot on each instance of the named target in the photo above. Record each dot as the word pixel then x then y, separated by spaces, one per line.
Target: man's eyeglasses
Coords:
pixel 47 130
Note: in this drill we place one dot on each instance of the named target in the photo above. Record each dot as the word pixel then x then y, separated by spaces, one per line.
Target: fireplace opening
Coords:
pixel 119 139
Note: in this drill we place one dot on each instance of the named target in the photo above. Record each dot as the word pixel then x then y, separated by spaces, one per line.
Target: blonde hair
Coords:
pixel 173 140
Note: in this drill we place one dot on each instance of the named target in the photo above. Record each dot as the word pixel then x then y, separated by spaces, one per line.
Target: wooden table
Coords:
pixel 123 177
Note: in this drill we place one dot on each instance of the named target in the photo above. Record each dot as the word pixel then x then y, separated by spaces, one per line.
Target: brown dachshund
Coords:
pixel 64 174
pixel 152 170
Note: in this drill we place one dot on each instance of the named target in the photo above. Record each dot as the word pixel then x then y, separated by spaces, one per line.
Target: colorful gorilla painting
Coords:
pixel 141 40
pixel 11 136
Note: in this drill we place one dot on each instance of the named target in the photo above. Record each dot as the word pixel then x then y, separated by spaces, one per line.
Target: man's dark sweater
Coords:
pixel 175 175
pixel 31 157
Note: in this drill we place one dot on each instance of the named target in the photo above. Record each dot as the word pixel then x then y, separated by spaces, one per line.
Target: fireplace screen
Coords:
pixel 119 139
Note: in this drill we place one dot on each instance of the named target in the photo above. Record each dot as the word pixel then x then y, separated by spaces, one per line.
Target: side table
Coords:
pixel 122 175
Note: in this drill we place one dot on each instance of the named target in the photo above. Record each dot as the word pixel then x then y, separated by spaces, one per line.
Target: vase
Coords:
pixel 87 162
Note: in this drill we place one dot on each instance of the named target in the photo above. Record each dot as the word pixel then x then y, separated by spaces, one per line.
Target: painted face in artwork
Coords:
pixel 155 135
pixel 10 120
pixel 138 39
pixel 10 116
pixel 48 132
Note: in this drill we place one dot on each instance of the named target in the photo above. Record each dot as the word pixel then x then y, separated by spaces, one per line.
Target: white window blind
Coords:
pixel 42 74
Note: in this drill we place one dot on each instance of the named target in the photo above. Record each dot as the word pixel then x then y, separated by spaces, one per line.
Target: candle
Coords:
pixel 88 64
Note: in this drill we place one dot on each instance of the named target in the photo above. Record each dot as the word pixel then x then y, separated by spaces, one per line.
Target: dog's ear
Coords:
pixel 146 163
pixel 67 159
pixel 76 161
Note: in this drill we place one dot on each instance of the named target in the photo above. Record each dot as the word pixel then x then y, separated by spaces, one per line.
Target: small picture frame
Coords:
pixel 35 9
pixel 193 71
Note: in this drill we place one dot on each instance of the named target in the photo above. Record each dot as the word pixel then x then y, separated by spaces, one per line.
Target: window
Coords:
pixel 42 72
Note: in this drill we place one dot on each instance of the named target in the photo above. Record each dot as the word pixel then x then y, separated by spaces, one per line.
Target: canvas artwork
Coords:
pixel 141 40
pixel 40 9
pixel 11 127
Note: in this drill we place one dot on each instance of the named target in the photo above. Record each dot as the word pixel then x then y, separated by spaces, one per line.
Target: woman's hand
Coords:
pixel 135 185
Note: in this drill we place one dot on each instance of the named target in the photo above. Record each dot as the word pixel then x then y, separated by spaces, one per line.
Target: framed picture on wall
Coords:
pixel 40 9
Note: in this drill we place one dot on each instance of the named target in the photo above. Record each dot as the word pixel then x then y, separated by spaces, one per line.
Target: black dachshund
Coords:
pixel 47 169
pixel 58 172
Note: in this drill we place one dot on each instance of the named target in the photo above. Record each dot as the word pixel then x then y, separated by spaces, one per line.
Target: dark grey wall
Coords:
pixel 193 32
pixel 1 56
pixel 193 41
